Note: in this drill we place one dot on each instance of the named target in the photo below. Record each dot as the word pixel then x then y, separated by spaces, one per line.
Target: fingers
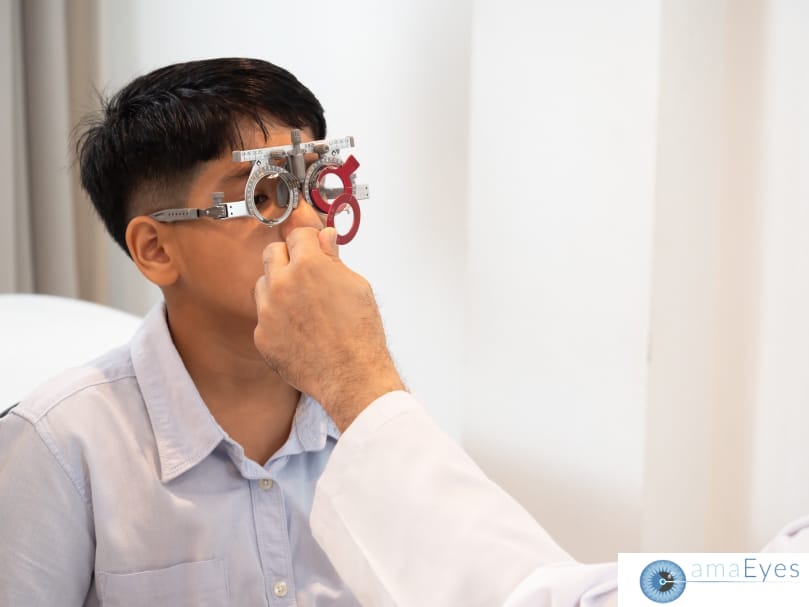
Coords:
pixel 328 241
pixel 302 242
pixel 260 298
pixel 275 256
pixel 259 290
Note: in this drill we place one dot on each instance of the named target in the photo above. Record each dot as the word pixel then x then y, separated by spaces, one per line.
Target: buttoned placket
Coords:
pixel 275 552
pixel 269 506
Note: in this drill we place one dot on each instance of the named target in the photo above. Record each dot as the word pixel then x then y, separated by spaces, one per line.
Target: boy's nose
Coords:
pixel 304 216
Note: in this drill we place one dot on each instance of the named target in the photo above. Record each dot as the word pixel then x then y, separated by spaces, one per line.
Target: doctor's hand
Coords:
pixel 319 326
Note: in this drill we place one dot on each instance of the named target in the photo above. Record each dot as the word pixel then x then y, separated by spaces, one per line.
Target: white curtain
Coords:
pixel 42 236
pixel 587 228
pixel 52 240
pixel 16 259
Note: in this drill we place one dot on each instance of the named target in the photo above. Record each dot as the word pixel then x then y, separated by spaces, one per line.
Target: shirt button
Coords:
pixel 266 483
pixel 279 589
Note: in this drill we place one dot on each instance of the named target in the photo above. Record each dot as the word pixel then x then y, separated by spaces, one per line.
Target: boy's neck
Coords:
pixel 251 402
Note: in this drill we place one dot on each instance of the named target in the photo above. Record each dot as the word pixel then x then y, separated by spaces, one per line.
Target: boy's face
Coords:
pixel 220 260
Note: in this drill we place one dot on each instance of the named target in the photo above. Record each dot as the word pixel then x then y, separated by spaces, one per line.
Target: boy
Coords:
pixel 179 469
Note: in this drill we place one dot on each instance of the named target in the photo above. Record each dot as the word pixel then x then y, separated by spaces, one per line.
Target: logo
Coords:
pixel 662 581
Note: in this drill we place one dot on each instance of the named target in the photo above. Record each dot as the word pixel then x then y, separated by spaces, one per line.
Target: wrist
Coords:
pixel 351 399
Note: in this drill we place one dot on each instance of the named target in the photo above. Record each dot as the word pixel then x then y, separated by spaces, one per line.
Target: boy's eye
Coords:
pixel 274 191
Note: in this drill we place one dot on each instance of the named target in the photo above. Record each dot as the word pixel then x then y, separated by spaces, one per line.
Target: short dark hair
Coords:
pixel 153 134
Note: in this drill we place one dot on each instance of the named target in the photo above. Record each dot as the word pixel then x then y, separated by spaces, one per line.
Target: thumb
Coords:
pixel 328 241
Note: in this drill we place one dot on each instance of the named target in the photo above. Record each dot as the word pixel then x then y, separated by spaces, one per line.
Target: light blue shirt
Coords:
pixel 118 487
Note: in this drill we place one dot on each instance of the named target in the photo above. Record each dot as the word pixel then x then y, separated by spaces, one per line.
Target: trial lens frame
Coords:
pixel 296 177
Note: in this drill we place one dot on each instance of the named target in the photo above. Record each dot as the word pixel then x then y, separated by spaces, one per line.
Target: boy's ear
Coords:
pixel 149 245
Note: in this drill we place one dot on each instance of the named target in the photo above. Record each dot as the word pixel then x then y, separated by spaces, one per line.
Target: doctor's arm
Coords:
pixel 409 519
pixel 404 514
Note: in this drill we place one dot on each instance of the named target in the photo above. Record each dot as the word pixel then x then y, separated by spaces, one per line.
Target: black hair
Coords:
pixel 153 134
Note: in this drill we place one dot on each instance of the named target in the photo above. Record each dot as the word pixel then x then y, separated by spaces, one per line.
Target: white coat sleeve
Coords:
pixel 792 538
pixel 408 519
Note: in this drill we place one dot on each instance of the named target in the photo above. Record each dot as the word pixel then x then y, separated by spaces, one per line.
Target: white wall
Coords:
pixel 726 456
pixel 706 277
pixel 561 182
pixel 779 490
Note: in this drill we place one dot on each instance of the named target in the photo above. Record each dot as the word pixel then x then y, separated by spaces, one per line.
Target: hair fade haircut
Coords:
pixel 151 136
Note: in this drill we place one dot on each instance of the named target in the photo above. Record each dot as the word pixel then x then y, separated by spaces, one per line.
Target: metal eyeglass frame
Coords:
pixel 295 175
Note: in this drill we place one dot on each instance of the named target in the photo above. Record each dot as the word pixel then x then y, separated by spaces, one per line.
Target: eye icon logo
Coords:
pixel 662 581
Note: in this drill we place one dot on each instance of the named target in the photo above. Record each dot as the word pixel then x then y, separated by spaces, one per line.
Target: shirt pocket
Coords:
pixel 197 584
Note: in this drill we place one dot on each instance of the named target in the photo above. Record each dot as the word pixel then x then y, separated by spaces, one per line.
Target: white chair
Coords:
pixel 41 335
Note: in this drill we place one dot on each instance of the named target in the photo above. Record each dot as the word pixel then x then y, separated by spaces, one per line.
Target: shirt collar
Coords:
pixel 311 428
pixel 185 431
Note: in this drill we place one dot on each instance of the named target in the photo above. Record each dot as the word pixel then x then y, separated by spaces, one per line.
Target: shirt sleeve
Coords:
pixel 47 545
pixel 408 519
